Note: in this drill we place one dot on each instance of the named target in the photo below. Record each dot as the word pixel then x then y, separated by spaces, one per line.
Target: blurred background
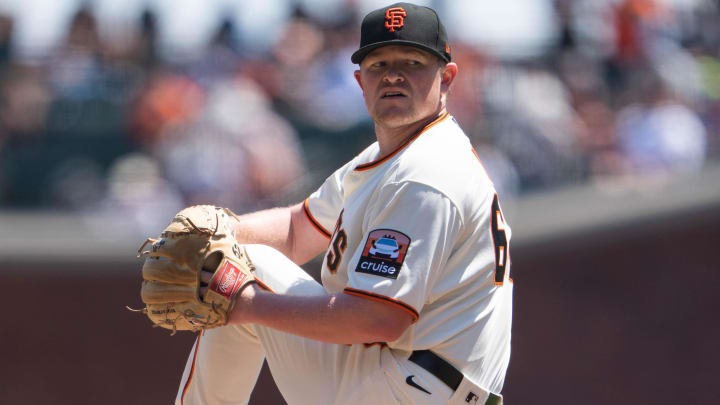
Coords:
pixel 598 121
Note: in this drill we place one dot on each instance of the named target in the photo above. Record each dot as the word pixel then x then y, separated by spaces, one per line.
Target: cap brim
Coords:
pixel 361 53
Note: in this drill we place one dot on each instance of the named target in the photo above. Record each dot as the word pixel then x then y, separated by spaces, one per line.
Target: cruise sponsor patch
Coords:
pixel 384 253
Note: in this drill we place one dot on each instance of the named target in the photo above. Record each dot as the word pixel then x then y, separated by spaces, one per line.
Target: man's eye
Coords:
pixel 413 62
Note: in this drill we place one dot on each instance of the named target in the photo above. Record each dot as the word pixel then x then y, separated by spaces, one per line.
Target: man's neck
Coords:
pixel 390 138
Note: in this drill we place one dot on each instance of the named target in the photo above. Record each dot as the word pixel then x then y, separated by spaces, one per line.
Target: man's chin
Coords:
pixel 394 117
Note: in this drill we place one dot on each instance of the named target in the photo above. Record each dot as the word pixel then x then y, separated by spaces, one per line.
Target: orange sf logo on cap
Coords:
pixel 395 18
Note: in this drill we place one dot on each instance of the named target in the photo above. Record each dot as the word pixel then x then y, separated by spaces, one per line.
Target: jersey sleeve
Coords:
pixel 324 205
pixel 410 232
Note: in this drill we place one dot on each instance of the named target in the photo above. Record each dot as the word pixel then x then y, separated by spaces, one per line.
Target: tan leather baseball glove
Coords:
pixel 199 238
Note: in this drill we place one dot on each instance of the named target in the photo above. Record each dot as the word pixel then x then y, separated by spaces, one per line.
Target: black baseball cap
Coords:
pixel 403 24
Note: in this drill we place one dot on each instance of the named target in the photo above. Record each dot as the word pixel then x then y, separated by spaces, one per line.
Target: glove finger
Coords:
pixel 157 292
pixel 185 251
pixel 162 269
pixel 198 219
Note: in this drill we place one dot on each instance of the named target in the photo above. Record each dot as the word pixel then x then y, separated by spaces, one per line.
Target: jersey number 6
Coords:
pixel 337 246
pixel 500 241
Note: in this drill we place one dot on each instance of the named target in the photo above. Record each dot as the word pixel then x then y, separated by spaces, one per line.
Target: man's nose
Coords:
pixel 394 75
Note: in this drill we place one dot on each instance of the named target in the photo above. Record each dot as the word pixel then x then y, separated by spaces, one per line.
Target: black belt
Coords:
pixel 444 371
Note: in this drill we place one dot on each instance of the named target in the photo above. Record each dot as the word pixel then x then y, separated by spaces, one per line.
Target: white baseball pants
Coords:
pixel 224 363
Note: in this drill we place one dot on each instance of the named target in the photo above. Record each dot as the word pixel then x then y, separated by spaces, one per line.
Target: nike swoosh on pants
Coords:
pixel 412 383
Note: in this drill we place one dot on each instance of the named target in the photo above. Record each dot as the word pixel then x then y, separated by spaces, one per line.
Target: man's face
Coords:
pixel 402 84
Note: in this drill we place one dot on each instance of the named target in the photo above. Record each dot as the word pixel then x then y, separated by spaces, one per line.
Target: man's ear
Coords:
pixel 448 75
pixel 358 79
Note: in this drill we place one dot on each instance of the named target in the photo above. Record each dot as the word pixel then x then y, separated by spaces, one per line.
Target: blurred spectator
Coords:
pixel 91 83
pixel 530 118
pixel 634 19
pixel 138 200
pixel 239 107
pixel 168 99
pixel 76 66
pixel 221 57
pixel 142 47
pixel 467 96
pixel 6 28
pixel 24 100
pixel 659 135
pixel 236 153
pixel 294 54
pixel 590 27
pixel 334 98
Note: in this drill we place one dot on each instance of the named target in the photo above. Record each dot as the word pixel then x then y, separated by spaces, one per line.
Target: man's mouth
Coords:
pixel 392 94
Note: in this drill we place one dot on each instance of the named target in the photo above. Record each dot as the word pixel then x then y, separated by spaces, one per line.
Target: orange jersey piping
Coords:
pixel 313 221
pixel 192 370
pixel 382 298
pixel 264 286
pixel 378 162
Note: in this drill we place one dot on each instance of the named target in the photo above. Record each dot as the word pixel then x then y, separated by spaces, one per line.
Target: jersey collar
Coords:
pixel 381 160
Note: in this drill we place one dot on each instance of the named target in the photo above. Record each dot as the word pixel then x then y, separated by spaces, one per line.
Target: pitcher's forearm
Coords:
pixel 333 318
pixel 271 227
pixel 286 229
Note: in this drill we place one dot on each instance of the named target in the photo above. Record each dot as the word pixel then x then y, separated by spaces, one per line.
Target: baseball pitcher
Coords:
pixel 415 305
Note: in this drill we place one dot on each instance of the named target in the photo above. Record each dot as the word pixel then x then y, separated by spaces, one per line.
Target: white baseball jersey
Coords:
pixel 421 228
